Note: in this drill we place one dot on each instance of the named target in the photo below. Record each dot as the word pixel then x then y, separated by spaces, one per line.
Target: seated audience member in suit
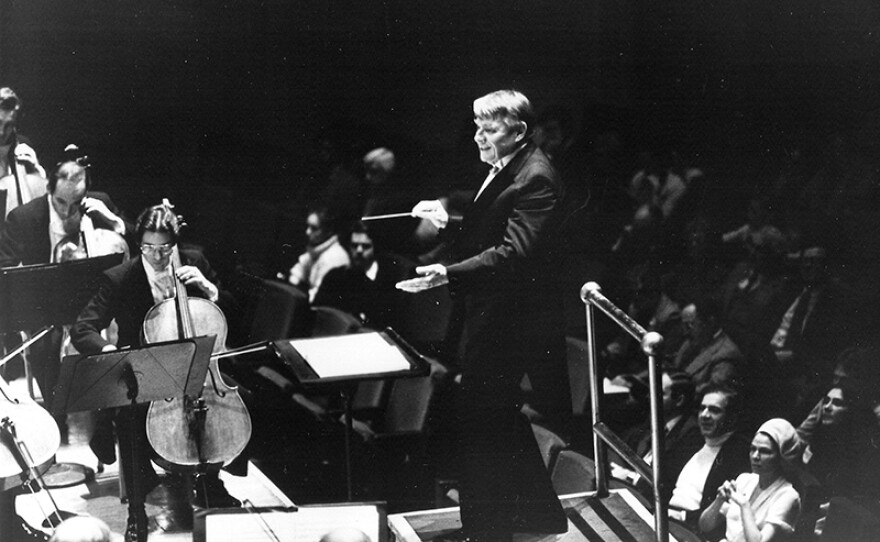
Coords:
pixel 366 288
pixel 682 435
pixel 761 505
pixel 127 292
pixel 708 354
pixel 323 251
pixel 723 455
pixel 824 317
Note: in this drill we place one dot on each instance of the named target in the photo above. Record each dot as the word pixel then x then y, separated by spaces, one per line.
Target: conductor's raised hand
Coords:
pixel 431 276
pixel 433 211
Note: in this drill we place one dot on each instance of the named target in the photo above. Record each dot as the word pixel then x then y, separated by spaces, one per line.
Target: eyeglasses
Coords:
pixel 162 250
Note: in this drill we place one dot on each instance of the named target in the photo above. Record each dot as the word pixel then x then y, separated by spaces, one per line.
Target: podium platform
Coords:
pixel 620 517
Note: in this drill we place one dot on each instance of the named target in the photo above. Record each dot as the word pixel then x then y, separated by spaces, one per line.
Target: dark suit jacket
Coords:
pixel 732 460
pixel 679 444
pixel 377 302
pixel 506 297
pixel 25 239
pixel 124 294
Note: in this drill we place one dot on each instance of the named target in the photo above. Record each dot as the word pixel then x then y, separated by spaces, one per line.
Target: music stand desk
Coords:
pixel 359 370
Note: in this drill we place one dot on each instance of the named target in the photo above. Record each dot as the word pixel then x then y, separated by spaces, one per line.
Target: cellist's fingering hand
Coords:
pixel 96 206
pixel 26 154
pixel 192 276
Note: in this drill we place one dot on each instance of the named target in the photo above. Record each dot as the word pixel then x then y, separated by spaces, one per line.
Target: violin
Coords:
pixel 195 432
pixel 21 186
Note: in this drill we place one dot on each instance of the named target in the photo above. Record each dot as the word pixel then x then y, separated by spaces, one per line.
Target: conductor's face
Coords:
pixel 495 139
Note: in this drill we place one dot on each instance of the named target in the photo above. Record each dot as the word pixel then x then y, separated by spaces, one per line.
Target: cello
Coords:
pixel 21 186
pixel 29 439
pixel 193 433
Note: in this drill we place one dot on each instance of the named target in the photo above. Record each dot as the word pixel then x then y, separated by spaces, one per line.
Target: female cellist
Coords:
pixel 127 292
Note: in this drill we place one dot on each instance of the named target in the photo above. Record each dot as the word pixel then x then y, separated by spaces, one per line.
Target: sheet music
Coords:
pixel 347 355
pixel 307 524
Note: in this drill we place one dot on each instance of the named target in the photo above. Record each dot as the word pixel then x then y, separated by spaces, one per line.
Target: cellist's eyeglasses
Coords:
pixel 162 250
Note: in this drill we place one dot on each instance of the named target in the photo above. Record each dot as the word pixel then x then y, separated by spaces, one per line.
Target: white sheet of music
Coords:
pixel 307 524
pixel 348 355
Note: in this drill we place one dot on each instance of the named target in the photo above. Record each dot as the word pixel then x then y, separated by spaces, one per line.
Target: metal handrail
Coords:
pixel 651 343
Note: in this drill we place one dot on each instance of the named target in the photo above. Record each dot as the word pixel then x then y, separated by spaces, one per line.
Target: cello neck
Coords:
pixel 181 299
pixel 22 190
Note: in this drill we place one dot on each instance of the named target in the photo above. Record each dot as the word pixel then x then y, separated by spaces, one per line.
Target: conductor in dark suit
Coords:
pixel 509 313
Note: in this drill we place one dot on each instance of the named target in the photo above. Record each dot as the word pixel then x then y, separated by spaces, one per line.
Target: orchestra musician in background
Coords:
pixel 34 230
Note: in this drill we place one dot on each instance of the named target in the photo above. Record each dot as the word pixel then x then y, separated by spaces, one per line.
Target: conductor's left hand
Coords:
pixel 431 276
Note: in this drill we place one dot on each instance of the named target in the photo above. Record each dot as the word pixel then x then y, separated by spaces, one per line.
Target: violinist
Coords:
pixel 34 229
pixel 127 292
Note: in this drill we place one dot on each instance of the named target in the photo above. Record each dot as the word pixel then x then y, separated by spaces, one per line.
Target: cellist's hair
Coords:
pixel 158 219
pixel 74 167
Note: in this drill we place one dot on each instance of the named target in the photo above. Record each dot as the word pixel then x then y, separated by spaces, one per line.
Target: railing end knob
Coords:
pixel 589 288
pixel 651 343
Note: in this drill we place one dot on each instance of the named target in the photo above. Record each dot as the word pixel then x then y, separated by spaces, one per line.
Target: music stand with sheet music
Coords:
pixel 342 361
pixel 307 523
pixel 133 376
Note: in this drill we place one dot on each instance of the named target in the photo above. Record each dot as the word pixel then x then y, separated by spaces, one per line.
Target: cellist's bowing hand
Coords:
pixel 94 206
pixel 192 276
pixel 431 276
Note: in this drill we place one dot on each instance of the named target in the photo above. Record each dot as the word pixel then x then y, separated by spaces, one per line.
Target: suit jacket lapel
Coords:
pixel 44 242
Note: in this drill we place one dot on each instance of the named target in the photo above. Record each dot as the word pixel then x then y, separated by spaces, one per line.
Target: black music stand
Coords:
pixel 129 377
pixel 33 296
pixel 51 295
pixel 358 365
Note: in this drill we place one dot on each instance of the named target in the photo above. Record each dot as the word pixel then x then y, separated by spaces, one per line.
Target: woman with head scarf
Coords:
pixel 762 504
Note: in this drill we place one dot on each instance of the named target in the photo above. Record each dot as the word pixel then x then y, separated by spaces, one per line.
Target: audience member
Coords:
pixel 841 453
pixel 681 435
pixel 708 354
pixel 761 505
pixel 366 289
pixel 387 192
pixel 856 366
pixel 756 293
pixel 723 455
pixel 323 252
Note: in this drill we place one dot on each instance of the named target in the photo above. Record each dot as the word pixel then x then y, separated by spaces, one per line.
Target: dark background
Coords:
pixel 221 102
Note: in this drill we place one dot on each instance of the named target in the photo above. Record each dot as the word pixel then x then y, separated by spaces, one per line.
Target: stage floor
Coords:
pixel 169 512
pixel 620 517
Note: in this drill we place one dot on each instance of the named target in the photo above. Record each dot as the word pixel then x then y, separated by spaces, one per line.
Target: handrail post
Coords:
pixel 651 343
pixel 599 455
